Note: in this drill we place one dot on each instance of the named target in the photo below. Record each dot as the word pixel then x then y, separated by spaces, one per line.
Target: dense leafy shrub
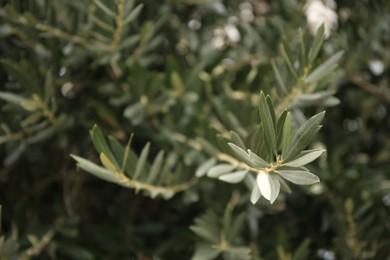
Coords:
pixel 199 115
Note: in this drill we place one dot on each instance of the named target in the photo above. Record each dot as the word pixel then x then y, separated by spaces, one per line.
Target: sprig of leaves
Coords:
pixel 122 166
pixel 271 169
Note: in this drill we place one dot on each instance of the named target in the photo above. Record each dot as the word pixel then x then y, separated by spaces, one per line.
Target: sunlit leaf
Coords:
pixel 234 177
pixel 305 158
pixel 299 177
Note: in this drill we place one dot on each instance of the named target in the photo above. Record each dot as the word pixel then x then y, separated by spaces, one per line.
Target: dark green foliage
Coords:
pixel 197 111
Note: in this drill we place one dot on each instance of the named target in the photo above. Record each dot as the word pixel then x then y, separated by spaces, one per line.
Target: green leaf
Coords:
pixel 204 167
pixel 236 139
pixel 236 226
pixel 234 253
pixel 275 187
pixel 303 251
pixel 299 177
pixel 156 167
pixel 317 43
pixel 305 158
pixel 286 137
pixel 204 251
pixel 207 227
pixel 219 170
pixel 288 61
pixel 142 160
pixel 133 14
pixel 95 169
pixel 241 154
pixel 101 145
pixel 11 98
pixel 268 122
pixel 281 86
pixel 104 8
pixel 234 177
pixel 303 136
pixel 325 68
pixel 257 160
pixel 279 128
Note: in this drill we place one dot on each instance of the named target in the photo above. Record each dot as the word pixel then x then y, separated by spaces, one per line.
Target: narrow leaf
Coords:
pixel 107 163
pixel 288 61
pixel 256 194
pixel 236 139
pixel 104 8
pixel 317 43
pixel 299 177
pixel 204 167
pixel 305 158
pixel 126 154
pixel 279 128
pixel 219 170
pixel 275 187
pixel 142 160
pixel 281 86
pixel 95 169
pixel 101 145
pixel 286 138
pixel 241 154
pixel 234 177
pixel 303 136
pixel 156 167
pixel 257 160
pixel 325 68
pixel 133 14
pixel 268 122
pixel 204 251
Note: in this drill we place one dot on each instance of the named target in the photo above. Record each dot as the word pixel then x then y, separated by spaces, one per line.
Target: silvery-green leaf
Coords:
pixel 317 43
pixel 234 177
pixel 234 253
pixel 101 145
pixel 286 136
pixel 275 187
pixel 204 251
pixel 220 169
pixel 305 158
pixel 95 169
pixel 204 167
pixel 325 68
pixel 303 136
pixel 281 86
pixel 256 194
pixel 268 122
pixel 141 162
pixel 299 177
pixel 236 139
pixel 241 154
pixel 258 162
pixel 156 167
pixel 279 127
pixel 264 185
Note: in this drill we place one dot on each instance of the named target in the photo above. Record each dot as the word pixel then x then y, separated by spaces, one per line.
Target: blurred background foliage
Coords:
pixel 167 71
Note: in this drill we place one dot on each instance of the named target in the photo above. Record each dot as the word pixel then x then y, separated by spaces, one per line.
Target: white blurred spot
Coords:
pixel 195 24
pixel 62 71
pixel 232 33
pixel 376 66
pixel 326 254
pixel 66 89
pixel 317 14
